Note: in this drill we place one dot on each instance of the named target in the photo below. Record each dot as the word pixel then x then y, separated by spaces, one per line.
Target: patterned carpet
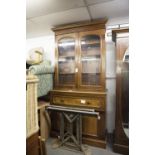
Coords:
pixel 65 151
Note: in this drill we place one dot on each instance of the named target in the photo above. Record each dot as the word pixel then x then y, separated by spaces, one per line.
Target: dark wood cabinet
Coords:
pixel 80 60
pixel 79 79
pixel 121 138
pixel 32 144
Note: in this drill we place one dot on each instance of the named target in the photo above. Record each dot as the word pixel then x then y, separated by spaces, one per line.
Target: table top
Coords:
pixel 42 104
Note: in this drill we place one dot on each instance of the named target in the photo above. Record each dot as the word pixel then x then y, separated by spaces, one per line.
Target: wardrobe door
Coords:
pixel 91 60
pixel 121 140
pixel 66 51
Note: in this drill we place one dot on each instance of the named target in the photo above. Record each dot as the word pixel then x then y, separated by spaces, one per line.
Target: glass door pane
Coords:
pixel 66 61
pixel 91 60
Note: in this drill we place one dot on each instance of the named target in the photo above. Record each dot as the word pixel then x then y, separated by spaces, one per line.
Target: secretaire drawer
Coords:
pixel 98 103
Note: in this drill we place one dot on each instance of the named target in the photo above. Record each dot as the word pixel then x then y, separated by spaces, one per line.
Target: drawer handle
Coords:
pixel 61 100
pixel 87 103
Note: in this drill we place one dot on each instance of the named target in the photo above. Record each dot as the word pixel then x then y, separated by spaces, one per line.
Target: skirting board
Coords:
pixel 121 149
pixel 94 142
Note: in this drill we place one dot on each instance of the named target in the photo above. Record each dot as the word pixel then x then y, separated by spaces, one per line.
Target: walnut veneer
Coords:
pixel 121 141
pixel 79 79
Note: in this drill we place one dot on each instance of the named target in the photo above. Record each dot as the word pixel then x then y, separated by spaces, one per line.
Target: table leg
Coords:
pixel 80 129
pixel 61 127
pixel 77 129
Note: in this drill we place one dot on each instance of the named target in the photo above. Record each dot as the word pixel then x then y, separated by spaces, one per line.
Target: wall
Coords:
pixel 110 85
pixel 46 42
pixel 111 73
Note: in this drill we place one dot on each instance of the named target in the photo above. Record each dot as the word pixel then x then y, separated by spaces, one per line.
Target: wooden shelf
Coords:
pixel 66 73
pixel 97 56
pixel 67 56
pixel 66 53
pixel 90 58
pixel 64 45
pixel 91 73
pixel 90 43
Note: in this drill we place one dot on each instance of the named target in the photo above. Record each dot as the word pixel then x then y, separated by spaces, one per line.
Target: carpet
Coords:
pixel 66 151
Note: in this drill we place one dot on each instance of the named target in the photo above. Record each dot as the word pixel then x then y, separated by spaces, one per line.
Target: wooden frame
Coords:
pixel 32 144
pixel 101 86
pixel 69 97
pixel 121 141
pixel 78 84
pixel 72 35
pixel 80 27
pixel 78 95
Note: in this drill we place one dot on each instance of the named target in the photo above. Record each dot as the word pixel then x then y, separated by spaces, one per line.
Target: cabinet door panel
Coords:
pixel 91 59
pixel 66 60
pixel 121 140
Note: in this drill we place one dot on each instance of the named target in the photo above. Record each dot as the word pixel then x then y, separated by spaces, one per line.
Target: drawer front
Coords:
pixel 80 102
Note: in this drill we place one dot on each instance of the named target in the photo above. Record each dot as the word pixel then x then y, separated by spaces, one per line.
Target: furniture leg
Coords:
pixel 61 127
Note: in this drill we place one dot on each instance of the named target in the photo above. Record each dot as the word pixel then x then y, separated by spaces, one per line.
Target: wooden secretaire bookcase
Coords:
pixel 79 79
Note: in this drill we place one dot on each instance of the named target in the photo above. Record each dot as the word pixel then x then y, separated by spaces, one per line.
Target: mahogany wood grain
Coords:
pixel 101 85
pixel 83 95
pixel 32 145
pixel 80 26
pixel 56 79
pixel 79 99
pixel 121 141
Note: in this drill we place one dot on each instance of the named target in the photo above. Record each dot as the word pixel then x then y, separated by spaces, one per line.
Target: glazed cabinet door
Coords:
pixel 66 55
pixel 91 60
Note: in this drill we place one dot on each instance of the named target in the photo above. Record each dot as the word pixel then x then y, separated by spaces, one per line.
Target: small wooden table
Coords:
pixel 44 120
pixel 71 115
